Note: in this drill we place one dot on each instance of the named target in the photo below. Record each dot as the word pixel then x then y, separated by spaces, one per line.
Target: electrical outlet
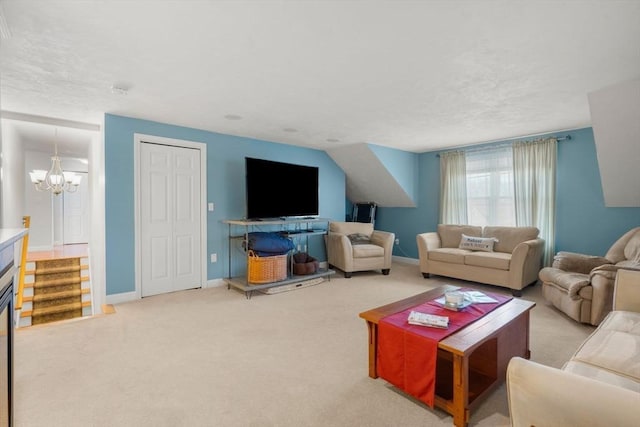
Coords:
pixel 397 241
pixel 214 258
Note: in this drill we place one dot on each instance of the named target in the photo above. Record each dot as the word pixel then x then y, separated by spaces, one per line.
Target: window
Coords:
pixel 490 194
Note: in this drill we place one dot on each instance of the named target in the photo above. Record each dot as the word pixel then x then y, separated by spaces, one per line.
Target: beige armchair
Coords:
pixel 356 246
pixel 581 286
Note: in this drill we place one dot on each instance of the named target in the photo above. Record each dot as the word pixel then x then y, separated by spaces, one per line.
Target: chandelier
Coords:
pixel 55 179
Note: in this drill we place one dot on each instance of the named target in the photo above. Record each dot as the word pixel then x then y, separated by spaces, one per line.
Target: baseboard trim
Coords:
pixel 405 260
pixel 214 283
pixel 122 297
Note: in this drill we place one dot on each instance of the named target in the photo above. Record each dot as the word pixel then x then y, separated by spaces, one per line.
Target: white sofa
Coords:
pixel 514 262
pixel 599 385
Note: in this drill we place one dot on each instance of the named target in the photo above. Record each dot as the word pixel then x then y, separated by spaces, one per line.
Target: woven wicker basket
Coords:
pixel 266 269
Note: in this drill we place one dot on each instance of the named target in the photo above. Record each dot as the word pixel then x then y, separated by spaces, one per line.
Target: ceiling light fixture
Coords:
pixel 55 180
pixel 332 140
pixel 290 130
pixel 119 90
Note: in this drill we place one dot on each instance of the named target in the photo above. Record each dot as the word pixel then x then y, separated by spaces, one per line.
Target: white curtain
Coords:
pixel 453 188
pixel 534 169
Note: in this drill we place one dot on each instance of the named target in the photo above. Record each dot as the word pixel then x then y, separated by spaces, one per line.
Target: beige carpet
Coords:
pixel 209 357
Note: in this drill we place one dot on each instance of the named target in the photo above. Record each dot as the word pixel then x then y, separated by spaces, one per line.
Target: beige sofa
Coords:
pixel 581 286
pixel 599 385
pixel 356 246
pixel 514 261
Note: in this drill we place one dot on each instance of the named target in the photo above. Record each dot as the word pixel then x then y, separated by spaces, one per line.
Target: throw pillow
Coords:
pixel 359 239
pixel 477 243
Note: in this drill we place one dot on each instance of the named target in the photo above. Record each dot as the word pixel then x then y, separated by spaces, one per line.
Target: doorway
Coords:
pixel 75 227
pixel 171 228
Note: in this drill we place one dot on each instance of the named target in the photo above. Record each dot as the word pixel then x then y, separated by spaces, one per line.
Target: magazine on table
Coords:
pixel 478 297
pixel 431 320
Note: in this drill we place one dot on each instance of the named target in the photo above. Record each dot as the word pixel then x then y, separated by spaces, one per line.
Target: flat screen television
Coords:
pixel 280 190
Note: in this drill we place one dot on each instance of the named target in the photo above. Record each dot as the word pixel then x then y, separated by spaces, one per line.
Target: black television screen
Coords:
pixel 277 190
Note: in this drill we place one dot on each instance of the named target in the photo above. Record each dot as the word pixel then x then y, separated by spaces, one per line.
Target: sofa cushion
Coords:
pixel 495 260
pixel 359 239
pixel 509 237
pixel 367 251
pixel 632 250
pixel 604 375
pixel 452 255
pixel 450 235
pixel 612 347
pixel 571 261
pixel 567 281
pixel 476 243
pixel 629 264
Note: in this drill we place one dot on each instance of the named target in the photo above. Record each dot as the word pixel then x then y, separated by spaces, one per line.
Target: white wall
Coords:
pixel 38 204
pixel 615 115
pixel 97 215
pixel 13 184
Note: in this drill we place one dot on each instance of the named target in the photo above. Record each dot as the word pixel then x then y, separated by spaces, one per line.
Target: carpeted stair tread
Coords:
pixel 48 270
pixel 32 284
pixel 54 270
pixel 56 309
pixel 58 282
pixel 57 295
pixel 39 312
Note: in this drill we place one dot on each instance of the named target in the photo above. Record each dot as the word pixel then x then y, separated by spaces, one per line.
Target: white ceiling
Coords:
pixel 414 75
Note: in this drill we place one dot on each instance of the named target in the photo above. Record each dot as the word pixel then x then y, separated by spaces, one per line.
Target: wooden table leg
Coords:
pixel 460 390
pixel 373 349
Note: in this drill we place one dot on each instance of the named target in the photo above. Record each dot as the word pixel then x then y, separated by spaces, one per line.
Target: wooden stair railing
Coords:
pixel 26 222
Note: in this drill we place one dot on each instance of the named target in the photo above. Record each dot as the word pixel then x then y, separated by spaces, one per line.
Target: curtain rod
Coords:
pixel 499 145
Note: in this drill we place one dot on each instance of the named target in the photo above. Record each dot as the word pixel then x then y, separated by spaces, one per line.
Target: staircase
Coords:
pixel 56 289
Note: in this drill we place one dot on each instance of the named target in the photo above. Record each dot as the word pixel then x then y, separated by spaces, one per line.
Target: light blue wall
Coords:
pixel 225 188
pixel 402 165
pixel 583 223
pixel 407 222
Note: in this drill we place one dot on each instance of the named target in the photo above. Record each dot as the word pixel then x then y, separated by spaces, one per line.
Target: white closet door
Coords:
pixel 75 225
pixel 169 218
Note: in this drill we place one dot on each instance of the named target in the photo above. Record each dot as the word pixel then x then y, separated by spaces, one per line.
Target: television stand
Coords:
pixel 298 228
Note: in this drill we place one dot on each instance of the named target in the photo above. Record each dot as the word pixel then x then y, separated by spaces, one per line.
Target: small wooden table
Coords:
pixel 471 362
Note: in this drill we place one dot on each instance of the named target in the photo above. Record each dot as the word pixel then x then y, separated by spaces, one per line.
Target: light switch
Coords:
pixel 210 207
